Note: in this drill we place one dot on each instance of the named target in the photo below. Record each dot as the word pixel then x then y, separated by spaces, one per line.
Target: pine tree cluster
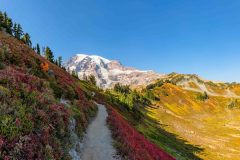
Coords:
pixel 15 29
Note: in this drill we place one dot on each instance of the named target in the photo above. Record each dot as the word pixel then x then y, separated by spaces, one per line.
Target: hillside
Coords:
pixel 197 84
pixel 189 117
pixel 45 111
pixel 34 117
pixel 204 113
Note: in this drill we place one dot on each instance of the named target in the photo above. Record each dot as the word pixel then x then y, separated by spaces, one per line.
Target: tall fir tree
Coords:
pixel 9 25
pixel 5 17
pixel 26 39
pixel 38 49
pixel 19 31
pixel 59 61
pixel 15 30
pixel 56 62
pixel 43 50
pixel 49 54
pixel 1 20
pixel 34 48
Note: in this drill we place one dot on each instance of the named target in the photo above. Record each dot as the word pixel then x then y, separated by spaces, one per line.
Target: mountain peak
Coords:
pixel 97 59
pixel 94 57
pixel 108 72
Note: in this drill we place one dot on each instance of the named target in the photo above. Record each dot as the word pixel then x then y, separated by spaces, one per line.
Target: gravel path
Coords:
pixel 98 140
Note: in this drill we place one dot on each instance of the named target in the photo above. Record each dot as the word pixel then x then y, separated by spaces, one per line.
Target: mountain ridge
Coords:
pixel 108 72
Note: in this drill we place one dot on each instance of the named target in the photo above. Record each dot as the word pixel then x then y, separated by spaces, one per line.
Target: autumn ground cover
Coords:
pixel 34 124
pixel 140 121
pixel 131 144
pixel 210 123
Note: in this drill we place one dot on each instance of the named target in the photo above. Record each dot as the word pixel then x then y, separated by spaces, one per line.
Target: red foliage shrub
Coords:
pixel 1 142
pixel 14 77
pixel 133 145
pixel 18 122
pixel 48 118
pixel 6 158
pixel 42 122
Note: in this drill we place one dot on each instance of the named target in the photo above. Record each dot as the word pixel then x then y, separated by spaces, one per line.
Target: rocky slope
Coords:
pixel 192 82
pixel 202 112
pixel 108 72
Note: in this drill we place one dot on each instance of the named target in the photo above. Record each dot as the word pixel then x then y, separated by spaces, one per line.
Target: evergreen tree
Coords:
pixel 150 95
pixel 17 31
pixel 43 50
pixel 26 39
pixel 6 22
pixel 205 95
pixel 59 61
pixel 1 20
pixel 122 98
pixel 56 62
pixel 130 101
pixel 49 55
pixel 38 49
pixel 9 26
pixel 122 88
pixel 5 17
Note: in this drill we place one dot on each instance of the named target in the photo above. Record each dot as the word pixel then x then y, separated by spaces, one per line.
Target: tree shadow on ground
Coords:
pixel 155 132
pixel 170 142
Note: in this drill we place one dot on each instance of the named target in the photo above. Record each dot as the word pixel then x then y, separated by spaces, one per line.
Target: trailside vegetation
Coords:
pixel 38 99
pixel 128 100
pixel 131 144
pixel 136 114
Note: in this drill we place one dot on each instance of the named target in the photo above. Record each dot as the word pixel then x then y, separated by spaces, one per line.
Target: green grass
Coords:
pixel 170 142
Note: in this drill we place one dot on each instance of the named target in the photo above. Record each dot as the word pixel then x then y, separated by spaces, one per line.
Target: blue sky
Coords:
pixel 185 36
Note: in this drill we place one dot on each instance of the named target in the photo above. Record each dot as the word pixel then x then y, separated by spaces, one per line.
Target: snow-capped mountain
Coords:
pixel 108 72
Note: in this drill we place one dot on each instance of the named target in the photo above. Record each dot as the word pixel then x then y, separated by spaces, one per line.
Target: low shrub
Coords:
pixel 203 96
pixel 2 54
pixel 30 114
pixel 56 89
pixel 131 144
pixel 4 92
